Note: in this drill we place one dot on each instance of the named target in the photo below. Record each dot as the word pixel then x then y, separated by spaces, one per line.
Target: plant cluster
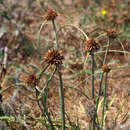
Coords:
pixel 53 62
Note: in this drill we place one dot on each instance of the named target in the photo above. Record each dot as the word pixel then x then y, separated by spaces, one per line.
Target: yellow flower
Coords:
pixel 103 12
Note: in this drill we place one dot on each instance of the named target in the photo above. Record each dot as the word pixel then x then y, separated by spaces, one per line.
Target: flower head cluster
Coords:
pixel 105 68
pixel 92 45
pixel 31 80
pixel 50 15
pixel 54 56
pixel 111 33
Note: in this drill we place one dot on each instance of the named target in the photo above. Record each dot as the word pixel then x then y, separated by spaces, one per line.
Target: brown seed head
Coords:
pixel 54 56
pixel 111 33
pixel 90 109
pixel 50 15
pixel 92 44
pixel 105 68
pixel 31 80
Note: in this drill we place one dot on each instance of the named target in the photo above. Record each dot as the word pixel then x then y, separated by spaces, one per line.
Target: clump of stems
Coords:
pixel 106 69
pixel 92 45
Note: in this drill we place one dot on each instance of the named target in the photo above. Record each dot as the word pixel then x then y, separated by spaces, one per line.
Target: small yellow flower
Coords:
pixel 103 12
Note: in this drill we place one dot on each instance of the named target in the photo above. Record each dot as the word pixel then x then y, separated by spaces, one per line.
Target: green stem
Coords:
pixel 107 49
pixel 46 85
pixel 44 22
pixel 47 113
pixel 44 99
pixel 105 100
pixel 61 83
pixel 92 55
pixel 62 100
pixel 38 103
pixel 102 74
pixel 54 27
pixel 39 42
pixel 43 70
pixel 92 63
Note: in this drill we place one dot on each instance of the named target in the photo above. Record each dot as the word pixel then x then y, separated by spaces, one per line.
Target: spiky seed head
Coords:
pixel 90 109
pixel 31 80
pixel 54 57
pixel 111 33
pixel 50 15
pixel 92 45
pixel 105 68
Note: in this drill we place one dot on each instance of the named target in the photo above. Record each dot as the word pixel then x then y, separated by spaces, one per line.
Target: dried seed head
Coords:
pixel 31 80
pixel 105 68
pixel 92 44
pixel 54 56
pixel 50 15
pixel 111 33
pixel 90 109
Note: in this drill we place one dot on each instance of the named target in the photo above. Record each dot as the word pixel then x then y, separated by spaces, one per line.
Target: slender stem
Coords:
pixel 105 100
pixel 38 103
pixel 40 75
pixel 92 55
pixel 39 42
pixel 107 49
pixel 62 100
pixel 54 27
pixel 46 112
pixel 92 68
pixel 46 85
pixel 61 83
pixel 44 22
pixel 102 74
pixel 44 99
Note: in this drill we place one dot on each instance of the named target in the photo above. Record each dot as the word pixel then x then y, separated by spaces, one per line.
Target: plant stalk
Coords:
pixel 44 99
pixel 43 70
pixel 92 55
pixel 92 68
pixel 105 100
pixel 102 74
pixel 55 31
pixel 62 100
pixel 39 42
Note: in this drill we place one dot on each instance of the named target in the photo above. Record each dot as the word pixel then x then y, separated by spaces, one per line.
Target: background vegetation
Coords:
pixel 68 87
